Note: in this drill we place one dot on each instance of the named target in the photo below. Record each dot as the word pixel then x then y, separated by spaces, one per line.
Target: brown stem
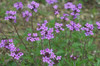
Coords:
pixel 19 37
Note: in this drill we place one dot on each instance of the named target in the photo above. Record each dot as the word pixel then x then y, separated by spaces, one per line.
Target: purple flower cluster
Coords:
pixel 88 29
pixel 26 15
pixel 33 6
pixel 33 37
pixel 69 5
pixel 56 12
pixel 46 32
pixel 58 27
pixel 51 1
pixel 98 24
pixel 75 9
pixel 65 17
pixel 73 26
pixel 8 44
pixel 10 15
pixel 18 5
pixel 49 57
pixel 73 57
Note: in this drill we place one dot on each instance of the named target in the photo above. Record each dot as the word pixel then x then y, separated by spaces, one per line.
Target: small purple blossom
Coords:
pixel 98 25
pixel 33 37
pixel 10 15
pixel 51 1
pixel 73 26
pixel 33 6
pixel 26 15
pixel 49 57
pixel 88 29
pixel 58 27
pixel 69 5
pixel 56 11
pixel 65 17
pixel 14 52
pixel 18 5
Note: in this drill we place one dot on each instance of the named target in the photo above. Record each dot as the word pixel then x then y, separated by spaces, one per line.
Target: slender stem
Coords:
pixel 74 63
pixel 3 34
pixel 16 62
pixel 49 44
pixel 42 44
pixel 19 36
pixel 32 22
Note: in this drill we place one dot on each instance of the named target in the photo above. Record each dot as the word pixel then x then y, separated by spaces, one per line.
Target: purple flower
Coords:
pixel 69 5
pixel 11 15
pixel 51 1
pixel 49 57
pixel 46 33
pixel 55 6
pixel 65 17
pixel 73 26
pixel 58 27
pixel 79 5
pixel 18 5
pixel 88 29
pixel 14 52
pixel 33 6
pixel 98 25
pixel 33 37
pixel 26 15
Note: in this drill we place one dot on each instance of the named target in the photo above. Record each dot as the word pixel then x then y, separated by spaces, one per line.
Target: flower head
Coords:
pixel 10 15
pixel 18 5
pixel 33 6
pixel 26 14
pixel 51 1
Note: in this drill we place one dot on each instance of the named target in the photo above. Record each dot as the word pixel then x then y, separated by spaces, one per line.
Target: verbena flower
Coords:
pixel 26 14
pixel 88 29
pixel 98 25
pixel 33 37
pixel 56 11
pixel 49 57
pixel 65 17
pixel 46 33
pixel 73 57
pixel 51 1
pixel 18 5
pixel 14 52
pixel 58 27
pixel 73 26
pixel 33 6
pixel 10 15
pixel 69 5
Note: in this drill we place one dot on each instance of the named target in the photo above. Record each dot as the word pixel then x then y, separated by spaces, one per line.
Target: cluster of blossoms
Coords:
pixel 58 27
pixel 46 32
pixel 98 25
pixel 14 52
pixel 65 17
pixel 18 5
pixel 73 26
pixel 33 6
pixel 10 15
pixel 51 1
pixel 75 9
pixel 56 12
pixel 49 57
pixel 73 57
pixel 33 37
pixel 26 15
pixel 88 29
